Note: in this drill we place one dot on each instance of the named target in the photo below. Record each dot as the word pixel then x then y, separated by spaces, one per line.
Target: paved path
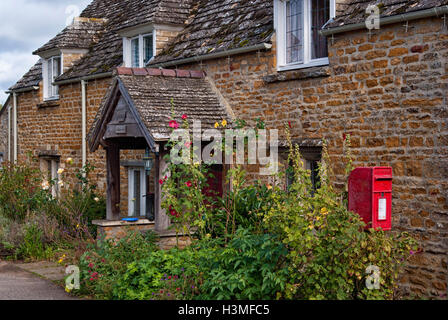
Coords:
pixel 18 284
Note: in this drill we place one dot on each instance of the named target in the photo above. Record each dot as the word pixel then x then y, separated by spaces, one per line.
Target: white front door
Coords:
pixel 137 192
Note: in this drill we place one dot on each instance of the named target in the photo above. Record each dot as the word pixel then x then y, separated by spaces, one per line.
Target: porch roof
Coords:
pixel 153 94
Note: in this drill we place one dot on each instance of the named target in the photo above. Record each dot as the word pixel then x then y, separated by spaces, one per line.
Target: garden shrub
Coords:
pixel 249 267
pixel 329 249
pixel 30 212
pixel 106 261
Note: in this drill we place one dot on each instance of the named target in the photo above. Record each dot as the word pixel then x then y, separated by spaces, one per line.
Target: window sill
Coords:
pixel 301 74
pixel 48 104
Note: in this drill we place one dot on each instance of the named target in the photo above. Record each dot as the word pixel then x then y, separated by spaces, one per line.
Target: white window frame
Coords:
pixel 143 191
pixel 280 27
pixel 127 49
pixel 47 81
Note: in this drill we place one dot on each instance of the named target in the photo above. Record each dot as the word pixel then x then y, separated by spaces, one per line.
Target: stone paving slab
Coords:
pixel 20 284
pixel 45 269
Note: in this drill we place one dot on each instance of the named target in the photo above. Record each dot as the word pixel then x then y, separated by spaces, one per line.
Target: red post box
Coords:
pixel 370 196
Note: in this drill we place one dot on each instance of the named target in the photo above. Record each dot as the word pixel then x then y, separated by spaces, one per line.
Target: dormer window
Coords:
pixel 138 51
pixel 297 23
pixel 52 68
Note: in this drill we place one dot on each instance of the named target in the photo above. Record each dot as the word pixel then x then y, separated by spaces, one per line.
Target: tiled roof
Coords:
pixel 355 10
pixel 152 90
pixel 220 25
pixel 81 34
pixel 107 54
pixel 174 12
pixel 31 78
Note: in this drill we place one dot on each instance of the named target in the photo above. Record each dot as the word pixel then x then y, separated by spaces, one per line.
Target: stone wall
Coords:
pixel 388 91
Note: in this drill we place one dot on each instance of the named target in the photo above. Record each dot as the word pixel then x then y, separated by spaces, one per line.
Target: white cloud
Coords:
pixel 26 25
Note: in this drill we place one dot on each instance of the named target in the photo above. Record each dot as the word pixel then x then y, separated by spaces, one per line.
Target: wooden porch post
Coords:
pixel 162 221
pixel 113 182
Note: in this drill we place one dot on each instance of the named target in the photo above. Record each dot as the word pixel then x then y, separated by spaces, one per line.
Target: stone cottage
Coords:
pixel 104 84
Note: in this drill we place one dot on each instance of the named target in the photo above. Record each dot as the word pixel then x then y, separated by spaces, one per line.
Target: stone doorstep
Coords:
pixel 121 223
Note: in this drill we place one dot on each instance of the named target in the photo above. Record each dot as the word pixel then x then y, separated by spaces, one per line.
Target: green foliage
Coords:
pixel 20 190
pixel 163 275
pixel 33 244
pixel 329 251
pixel 106 261
pixel 37 224
pixel 249 267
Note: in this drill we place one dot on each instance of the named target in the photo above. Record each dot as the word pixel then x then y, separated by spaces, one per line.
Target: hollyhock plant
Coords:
pixel 184 117
pixel 173 124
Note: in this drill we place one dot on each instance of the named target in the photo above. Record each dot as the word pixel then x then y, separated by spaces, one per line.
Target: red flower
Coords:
pixel 174 124
pixel 189 184
pixel 161 182
pixel 289 124
pixel 184 117
pixel 90 265
pixel 169 277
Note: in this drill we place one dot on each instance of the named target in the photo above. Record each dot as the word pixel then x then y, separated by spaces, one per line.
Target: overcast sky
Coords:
pixel 25 25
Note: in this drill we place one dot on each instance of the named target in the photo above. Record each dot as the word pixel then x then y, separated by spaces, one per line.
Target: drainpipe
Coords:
pixel 15 125
pixel 9 133
pixel 84 122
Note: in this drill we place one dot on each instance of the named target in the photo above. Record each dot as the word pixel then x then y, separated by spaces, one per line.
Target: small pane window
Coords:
pixel 147 49
pixel 54 70
pixel 135 52
pixel 294 31
pixel 320 14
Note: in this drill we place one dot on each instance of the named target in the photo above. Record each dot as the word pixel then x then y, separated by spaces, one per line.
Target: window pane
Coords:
pixel 147 48
pixel 294 31
pixel 56 73
pixel 135 53
pixel 137 193
pixel 320 14
pixel 49 78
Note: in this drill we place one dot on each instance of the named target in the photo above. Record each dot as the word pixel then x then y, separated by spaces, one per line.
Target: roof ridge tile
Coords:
pixel 178 73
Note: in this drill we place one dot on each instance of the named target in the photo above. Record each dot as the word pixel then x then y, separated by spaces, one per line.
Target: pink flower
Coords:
pixel 188 144
pixel 174 124
pixel 189 184
pixel 90 265
pixel 184 117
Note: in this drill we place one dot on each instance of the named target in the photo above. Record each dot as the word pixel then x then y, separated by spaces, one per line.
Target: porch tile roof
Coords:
pixel 155 94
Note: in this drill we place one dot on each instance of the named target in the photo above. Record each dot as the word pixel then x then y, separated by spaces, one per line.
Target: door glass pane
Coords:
pixel 135 52
pixel 294 31
pixel 320 14
pixel 137 193
pixel 147 48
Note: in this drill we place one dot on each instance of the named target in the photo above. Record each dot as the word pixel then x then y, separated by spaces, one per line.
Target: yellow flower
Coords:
pixel 216 125
pixel 67 290
pixel 224 122
pixel 317 218
pixel 269 187
pixel 311 227
pixel 77 226
pixel 324 211
pixel 61 170
pixel 69 160
pixel 60 260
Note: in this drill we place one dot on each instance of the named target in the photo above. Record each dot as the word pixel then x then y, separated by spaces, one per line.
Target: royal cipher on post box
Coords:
pixel 370 196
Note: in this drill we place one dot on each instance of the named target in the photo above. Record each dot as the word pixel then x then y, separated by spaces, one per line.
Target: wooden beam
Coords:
pixel 113 182
pixel 162 221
